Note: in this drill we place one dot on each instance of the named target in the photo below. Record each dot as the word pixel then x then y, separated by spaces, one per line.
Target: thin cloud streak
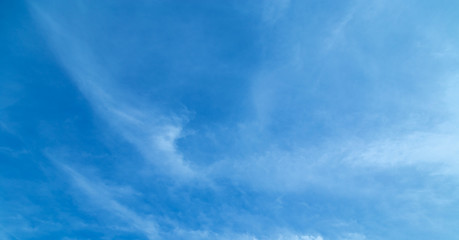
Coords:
pixel 153 134
pixel 101 195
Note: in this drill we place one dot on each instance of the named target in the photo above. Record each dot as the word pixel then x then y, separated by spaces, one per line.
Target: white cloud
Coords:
pixel 333 165
pixel 273 10
pixel 201 235
pixel 353 236
pixel 301 237
pixel 103 196
pixel 337 32
pixel 150 131
pixel 406 141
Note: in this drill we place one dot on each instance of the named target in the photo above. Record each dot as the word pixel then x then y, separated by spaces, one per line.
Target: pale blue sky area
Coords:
pixel 219 120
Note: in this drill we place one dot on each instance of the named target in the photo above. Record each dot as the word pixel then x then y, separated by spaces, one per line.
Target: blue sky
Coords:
pixel 245 120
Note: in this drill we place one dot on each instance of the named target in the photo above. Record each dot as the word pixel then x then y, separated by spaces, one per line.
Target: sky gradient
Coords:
pixel 244 120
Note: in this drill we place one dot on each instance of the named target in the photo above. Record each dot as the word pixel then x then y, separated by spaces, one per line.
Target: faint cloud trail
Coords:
pixel 101 195
pixel 152 133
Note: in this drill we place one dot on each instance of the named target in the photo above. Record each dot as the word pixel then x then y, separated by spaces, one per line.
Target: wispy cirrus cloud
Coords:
pixel 273 10
pixel 151 132
pixel 103 196
pixel 363 130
